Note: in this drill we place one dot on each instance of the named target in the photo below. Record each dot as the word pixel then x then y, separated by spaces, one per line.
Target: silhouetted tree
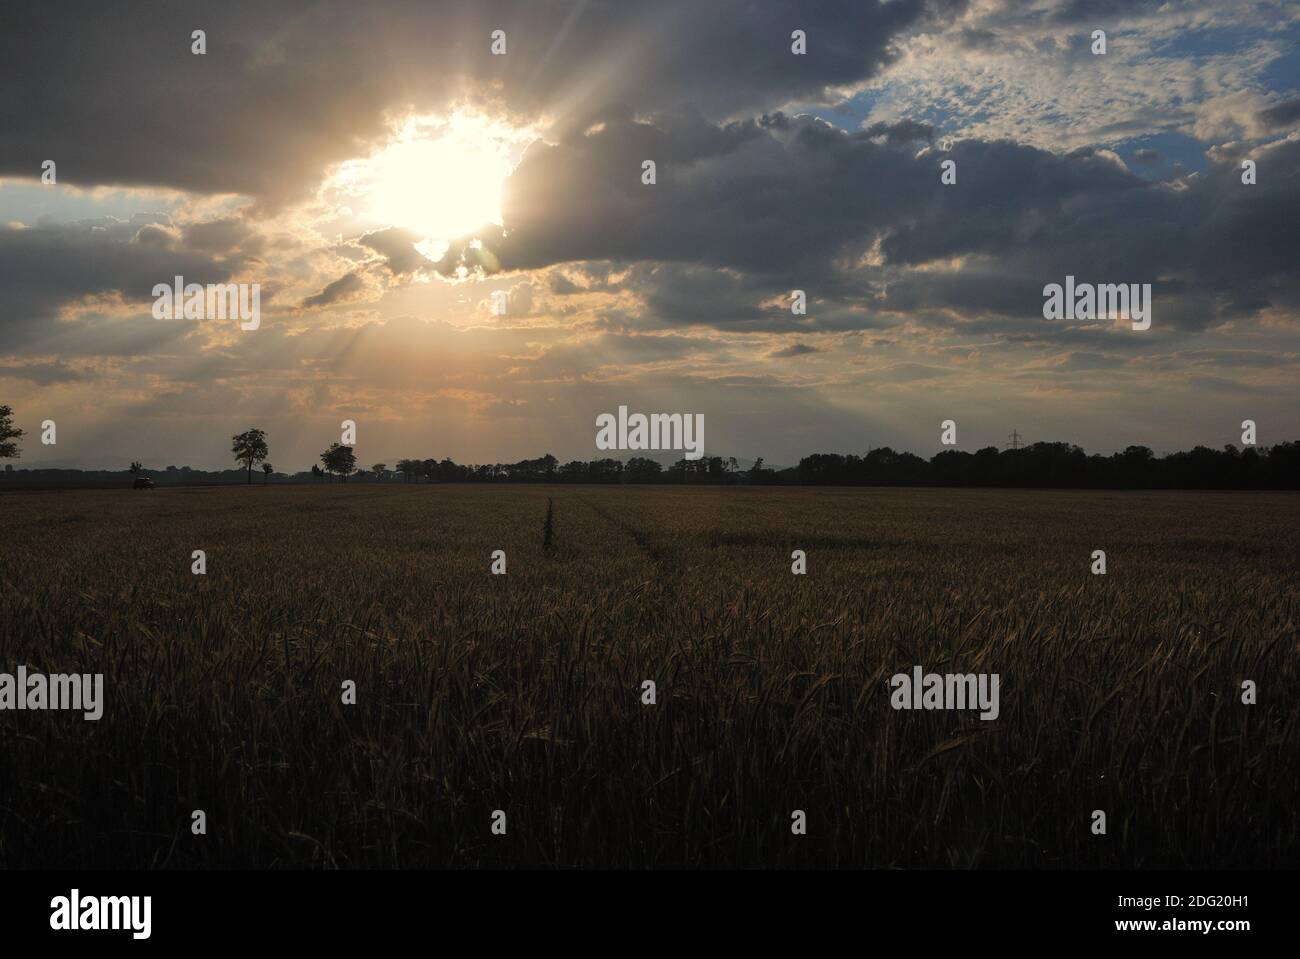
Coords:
pixel 339 459
pixel 249 448
pixel 760 476
pixel 574 471
pixel 640 469
pixel 8 434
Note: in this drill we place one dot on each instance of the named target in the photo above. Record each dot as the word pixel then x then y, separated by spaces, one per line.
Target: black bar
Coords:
pixel 534 908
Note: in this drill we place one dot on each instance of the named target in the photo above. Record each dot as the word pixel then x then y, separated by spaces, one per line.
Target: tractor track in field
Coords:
pixel 657 554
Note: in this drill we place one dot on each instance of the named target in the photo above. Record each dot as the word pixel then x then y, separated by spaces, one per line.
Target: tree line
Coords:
pixel 1035 465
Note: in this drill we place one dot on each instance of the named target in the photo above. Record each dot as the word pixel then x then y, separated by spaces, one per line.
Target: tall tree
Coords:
pixel 249 448
pixel 339 459
pixel 8 434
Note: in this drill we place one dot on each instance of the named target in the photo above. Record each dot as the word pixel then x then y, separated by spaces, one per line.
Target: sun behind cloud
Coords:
pixel 439 177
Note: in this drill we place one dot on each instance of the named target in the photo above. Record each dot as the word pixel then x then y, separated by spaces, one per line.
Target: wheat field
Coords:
pixel 523 692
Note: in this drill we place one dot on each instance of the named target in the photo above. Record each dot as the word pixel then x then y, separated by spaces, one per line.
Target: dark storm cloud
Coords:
pixel 687 295
pixel 49 265
pixel 1283 114
pixel 779 203
pixel 1007 197
pixel 114 94
pixel 775 195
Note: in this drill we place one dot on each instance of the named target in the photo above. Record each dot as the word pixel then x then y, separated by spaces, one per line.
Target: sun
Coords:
pixel 441 178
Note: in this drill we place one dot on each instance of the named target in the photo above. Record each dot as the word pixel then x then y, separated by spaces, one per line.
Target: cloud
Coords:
pixel 1026 72
pixel 43 373
pixel 283 92
pixel 1086 360
pixel 794 349
pixel 1280 115
pixel 49 266
pixel 561 285
pixel 350 286
pixel 742 213
pixel 398 248
pixel 156 235
pixel 222 236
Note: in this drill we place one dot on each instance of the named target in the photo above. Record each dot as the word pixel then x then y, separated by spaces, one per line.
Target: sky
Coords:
pixel 380 173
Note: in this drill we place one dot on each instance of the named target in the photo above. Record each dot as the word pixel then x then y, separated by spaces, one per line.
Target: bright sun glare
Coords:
pixel 440 178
